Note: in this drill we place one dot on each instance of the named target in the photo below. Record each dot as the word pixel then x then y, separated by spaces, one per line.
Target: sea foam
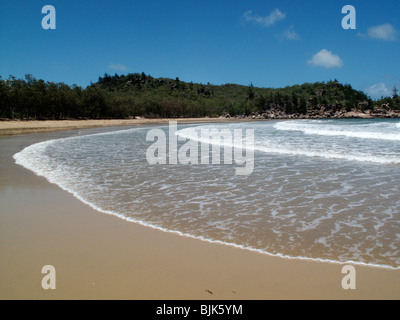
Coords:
pixel 310 197
pixel 331 131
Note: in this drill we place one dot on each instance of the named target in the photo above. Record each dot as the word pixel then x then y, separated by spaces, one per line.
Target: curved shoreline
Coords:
pixel 100 257
pixel 20 161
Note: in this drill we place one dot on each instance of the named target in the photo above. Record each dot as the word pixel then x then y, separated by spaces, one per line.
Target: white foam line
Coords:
pixel 308 129
pixel 331 156
pixel 189 134
pixel 21 159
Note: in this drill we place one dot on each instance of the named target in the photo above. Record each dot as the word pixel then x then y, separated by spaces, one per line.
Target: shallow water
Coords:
pixel 321 189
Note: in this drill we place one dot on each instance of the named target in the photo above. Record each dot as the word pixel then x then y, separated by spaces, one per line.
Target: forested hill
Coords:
pixel 141 95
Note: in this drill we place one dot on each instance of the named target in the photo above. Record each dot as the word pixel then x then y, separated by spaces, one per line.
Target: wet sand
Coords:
pixel 23 127
pixel 98 256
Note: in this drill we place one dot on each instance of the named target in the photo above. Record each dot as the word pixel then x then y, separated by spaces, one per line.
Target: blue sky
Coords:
pixel 269 43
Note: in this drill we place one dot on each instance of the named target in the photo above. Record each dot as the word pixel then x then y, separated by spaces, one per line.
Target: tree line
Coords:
pixel 133 95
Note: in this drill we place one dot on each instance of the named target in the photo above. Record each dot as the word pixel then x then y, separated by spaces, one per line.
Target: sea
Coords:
pixel 323 190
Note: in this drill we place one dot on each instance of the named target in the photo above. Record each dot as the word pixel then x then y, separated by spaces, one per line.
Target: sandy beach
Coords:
pixel 23 127
pixel 99 256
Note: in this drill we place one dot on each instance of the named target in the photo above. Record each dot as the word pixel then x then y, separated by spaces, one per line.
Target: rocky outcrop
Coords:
pixel 383 112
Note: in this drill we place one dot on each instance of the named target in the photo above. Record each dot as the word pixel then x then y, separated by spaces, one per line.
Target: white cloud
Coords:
pixel 290 34
pixel 275 16
pixel 383 32
pixel 326 59
pixel 118 67
pixel 378 90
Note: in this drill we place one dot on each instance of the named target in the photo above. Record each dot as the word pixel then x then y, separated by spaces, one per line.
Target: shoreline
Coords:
pixel 35 126
pixel 249 275
pixel 17 127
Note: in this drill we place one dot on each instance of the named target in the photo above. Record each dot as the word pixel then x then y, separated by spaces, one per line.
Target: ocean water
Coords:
pixel 324 190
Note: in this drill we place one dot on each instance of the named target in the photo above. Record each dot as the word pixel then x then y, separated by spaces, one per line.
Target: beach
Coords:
pixel 99 256
pixel 23 127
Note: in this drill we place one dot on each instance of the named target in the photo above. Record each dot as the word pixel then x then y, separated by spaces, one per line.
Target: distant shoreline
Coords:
pixel 15 127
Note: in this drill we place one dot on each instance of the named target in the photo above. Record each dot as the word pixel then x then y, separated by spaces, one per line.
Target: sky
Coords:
pixel 267 43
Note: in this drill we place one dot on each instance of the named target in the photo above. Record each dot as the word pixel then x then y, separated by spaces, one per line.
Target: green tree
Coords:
pixel 4 110
pixel 395 92
pixel 287 104
pixel 302 105
pixel 250 92
pixel 95 103
pixel 295 103
pixel 260 104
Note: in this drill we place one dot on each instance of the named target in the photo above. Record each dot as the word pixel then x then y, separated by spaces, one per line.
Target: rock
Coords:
pixel 363 115
pixel 350 114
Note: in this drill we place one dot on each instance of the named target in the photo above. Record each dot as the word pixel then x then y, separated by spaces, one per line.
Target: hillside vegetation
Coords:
pixel 141 95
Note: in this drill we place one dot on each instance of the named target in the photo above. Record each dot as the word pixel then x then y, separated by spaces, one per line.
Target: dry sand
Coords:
pixel 98 256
